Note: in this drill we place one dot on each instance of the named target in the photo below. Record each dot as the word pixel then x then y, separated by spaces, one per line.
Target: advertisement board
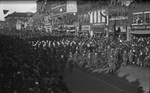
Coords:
pixel 98 17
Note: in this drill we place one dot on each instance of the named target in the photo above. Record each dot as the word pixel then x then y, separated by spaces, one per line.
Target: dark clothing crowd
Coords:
pixel 111 53
pixel 27 67
pixel 37 64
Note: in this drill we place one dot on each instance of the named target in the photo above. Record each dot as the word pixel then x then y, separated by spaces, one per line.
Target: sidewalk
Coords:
pixel 140 73
pixel 131 74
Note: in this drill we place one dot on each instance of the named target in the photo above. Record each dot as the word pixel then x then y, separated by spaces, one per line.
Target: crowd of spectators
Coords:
pixel 35 63
pixel 25 68
pixel 112 52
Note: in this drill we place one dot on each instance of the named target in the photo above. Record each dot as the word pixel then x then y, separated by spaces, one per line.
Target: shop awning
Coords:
pixel 140 32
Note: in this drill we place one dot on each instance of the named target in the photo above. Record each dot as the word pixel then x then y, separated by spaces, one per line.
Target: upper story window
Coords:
pixel 141 17
pixel 147 17
pixel 138 18
pixel 85 18
pixel 80 18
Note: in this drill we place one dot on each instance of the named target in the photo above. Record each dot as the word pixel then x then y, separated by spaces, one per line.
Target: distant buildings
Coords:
pixel 126 16
pixel 100 16
pixel 18 20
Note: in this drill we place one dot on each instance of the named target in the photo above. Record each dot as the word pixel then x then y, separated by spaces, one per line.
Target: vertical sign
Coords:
pixel 91 17
pixel 98 16
pixel 95 16
pixel 103 16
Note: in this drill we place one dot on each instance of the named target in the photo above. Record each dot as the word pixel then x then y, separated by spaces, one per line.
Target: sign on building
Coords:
pixel 98 16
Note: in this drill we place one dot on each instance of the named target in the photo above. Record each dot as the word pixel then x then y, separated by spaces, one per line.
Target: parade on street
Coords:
pixel 92 46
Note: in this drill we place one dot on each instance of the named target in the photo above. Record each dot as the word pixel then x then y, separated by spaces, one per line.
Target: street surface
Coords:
pixel 122 82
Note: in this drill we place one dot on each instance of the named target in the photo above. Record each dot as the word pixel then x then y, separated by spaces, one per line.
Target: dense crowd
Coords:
pixel 25 68
pixel 36 64
pixel 109 54
pixel 103 53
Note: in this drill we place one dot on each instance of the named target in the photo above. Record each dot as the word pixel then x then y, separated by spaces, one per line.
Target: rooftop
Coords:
pixel 19 14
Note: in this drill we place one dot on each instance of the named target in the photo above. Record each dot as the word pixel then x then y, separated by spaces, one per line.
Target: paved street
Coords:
pixel 85 82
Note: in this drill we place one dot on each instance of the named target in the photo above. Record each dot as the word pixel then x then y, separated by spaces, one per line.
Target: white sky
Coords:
pixel 12 6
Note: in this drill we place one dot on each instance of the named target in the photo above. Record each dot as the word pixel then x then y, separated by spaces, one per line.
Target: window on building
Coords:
pixel 86 18
pixel 138 18
pixel 81 17
pixel 134 19
pixel 147 17
pixel 141 19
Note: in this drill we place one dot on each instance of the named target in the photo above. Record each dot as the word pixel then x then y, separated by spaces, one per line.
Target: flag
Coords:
pixel 5 11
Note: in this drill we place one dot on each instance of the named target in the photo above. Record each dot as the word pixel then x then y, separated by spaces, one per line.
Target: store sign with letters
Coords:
pixel 118 18
pixel 99 16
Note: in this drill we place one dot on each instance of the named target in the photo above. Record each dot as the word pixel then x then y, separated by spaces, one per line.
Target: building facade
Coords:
pixel 140 18
pixel 92 19
pixel 64 14
pixel 118 20
pixel 18 20
pixel 84 17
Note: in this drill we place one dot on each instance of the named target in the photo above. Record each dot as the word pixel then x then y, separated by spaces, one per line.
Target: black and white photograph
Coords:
pixel 74 46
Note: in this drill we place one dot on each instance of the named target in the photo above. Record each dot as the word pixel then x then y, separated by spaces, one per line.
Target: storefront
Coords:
pixel 140 30
pixel 98 20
